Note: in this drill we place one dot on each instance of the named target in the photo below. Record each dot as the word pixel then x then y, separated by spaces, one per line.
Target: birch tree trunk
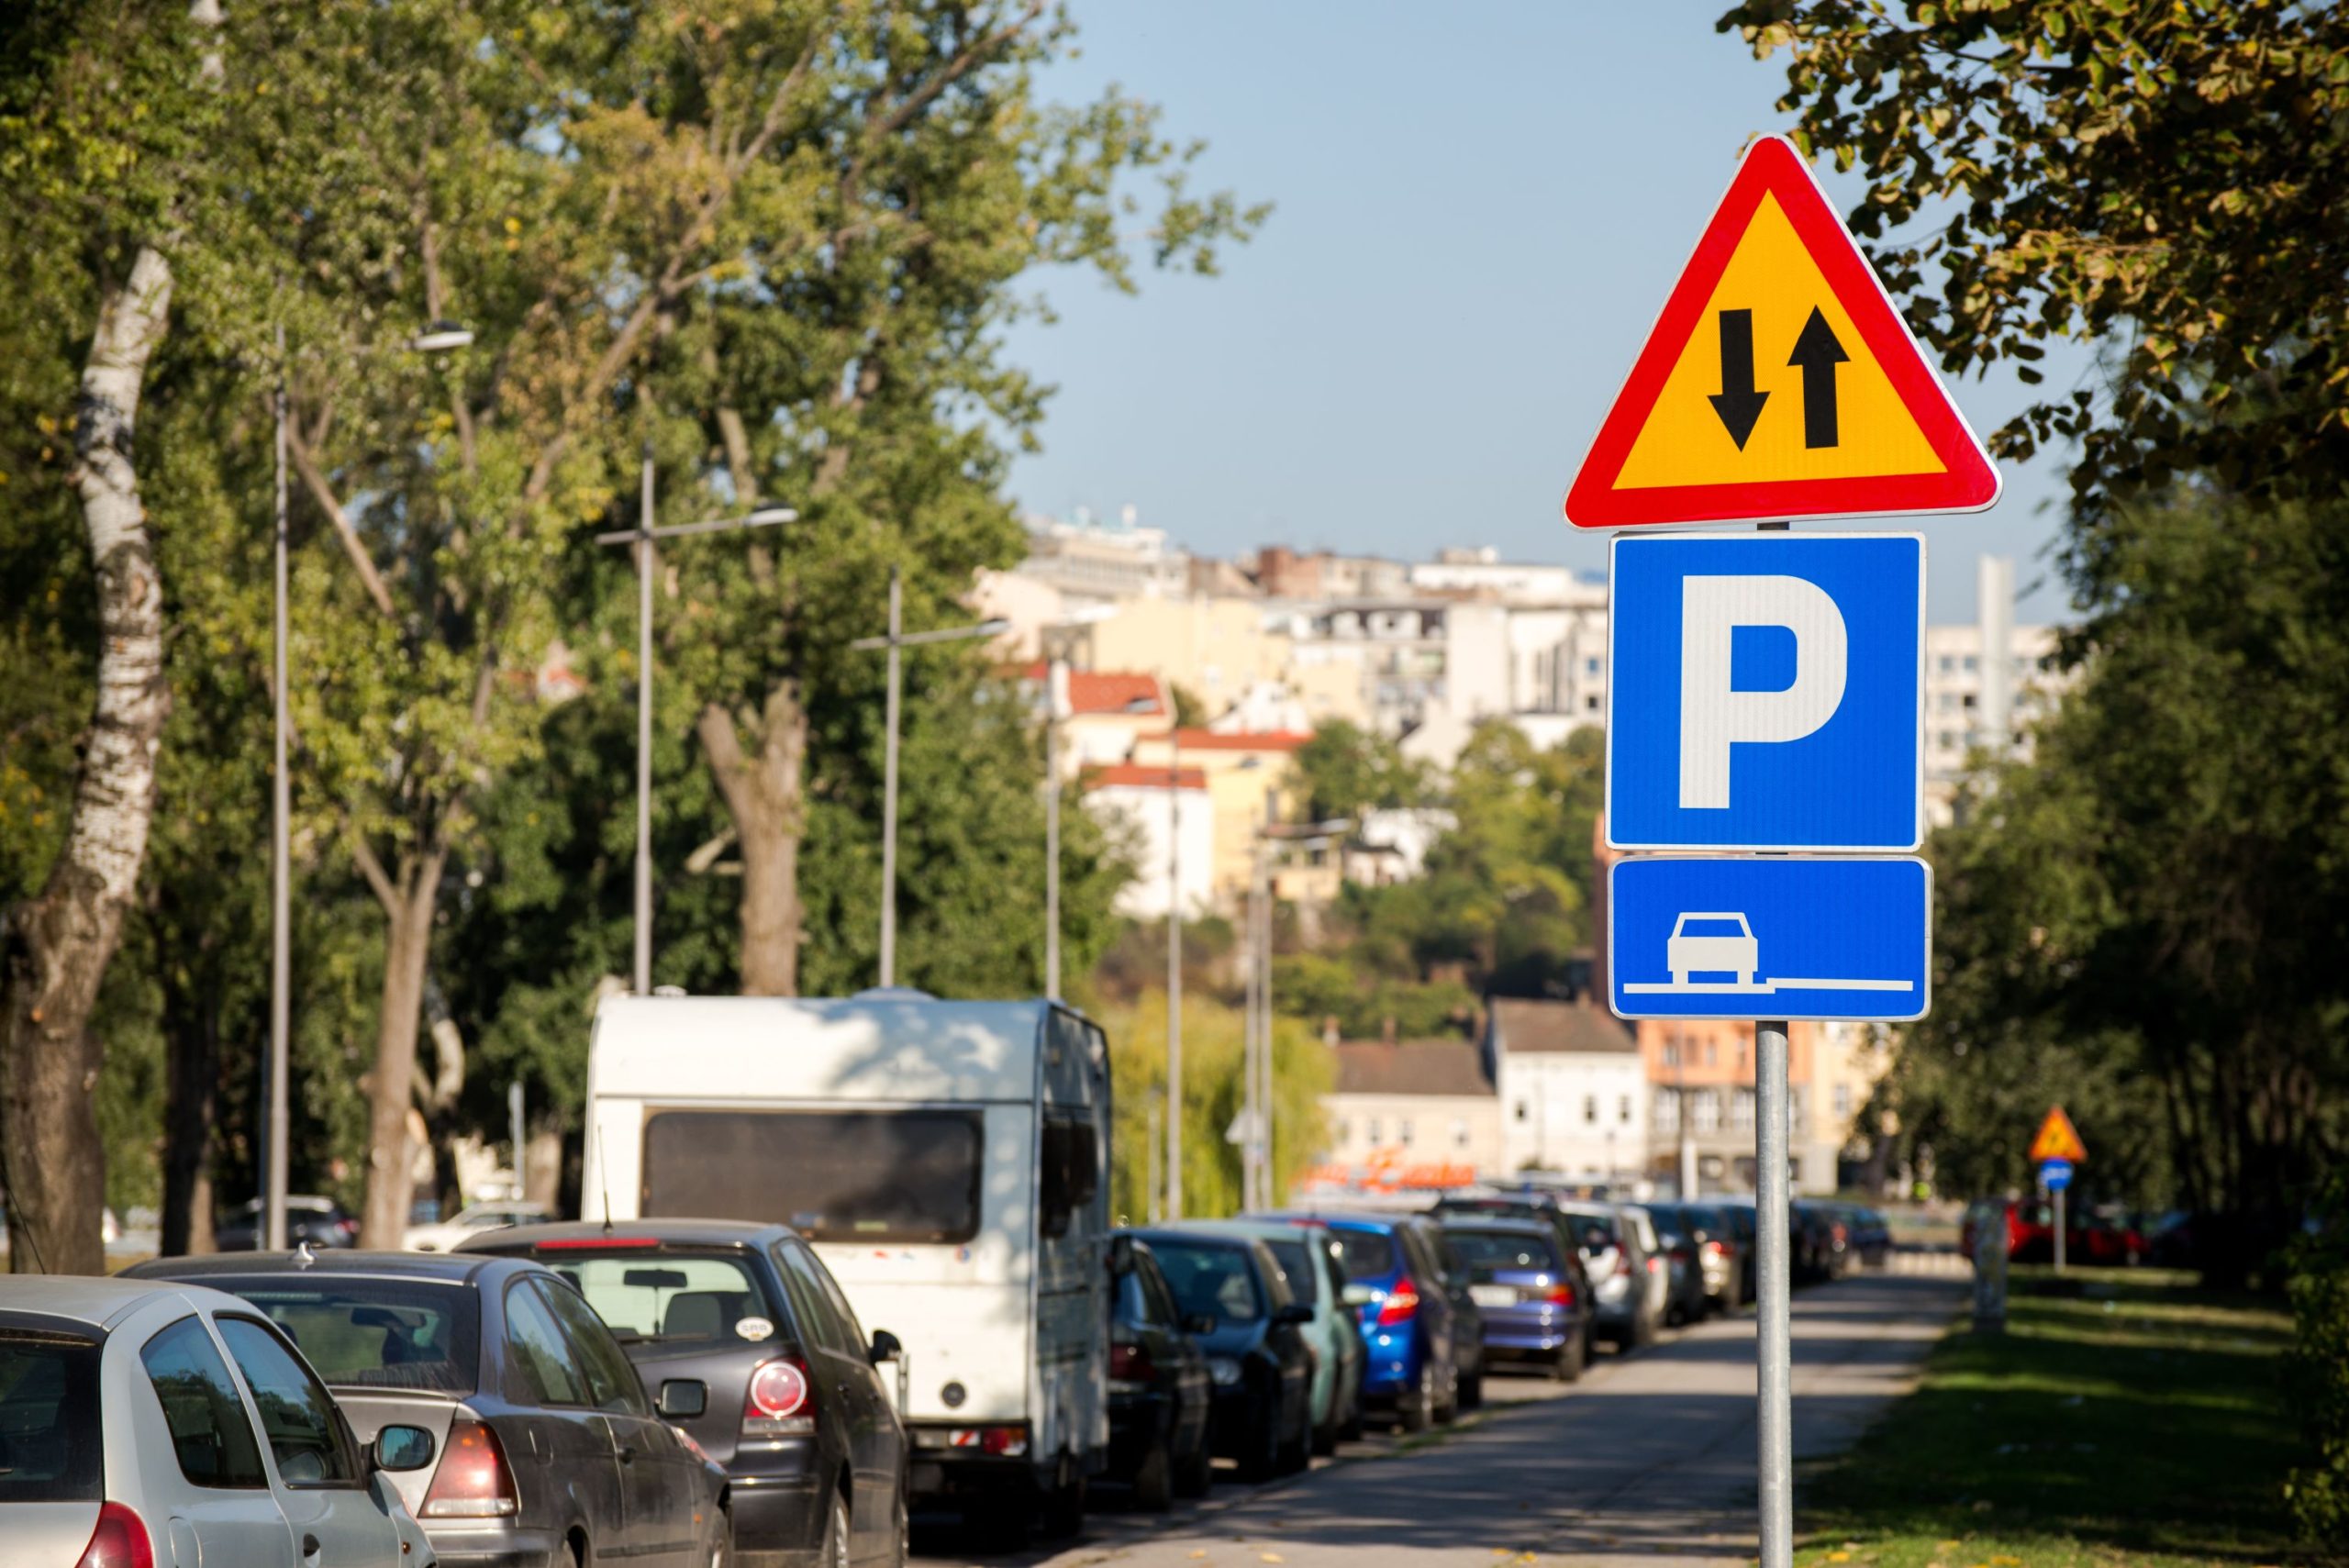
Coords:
pixel 408 954
pixel 763 798
pixel 54 951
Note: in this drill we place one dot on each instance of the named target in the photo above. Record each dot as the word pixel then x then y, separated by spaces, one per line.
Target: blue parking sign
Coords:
pixel 1776 937
pixel 1766 692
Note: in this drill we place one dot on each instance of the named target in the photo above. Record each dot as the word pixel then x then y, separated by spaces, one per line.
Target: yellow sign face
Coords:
pixel 2057 1140
pixel 1762 308
pixel 1778 381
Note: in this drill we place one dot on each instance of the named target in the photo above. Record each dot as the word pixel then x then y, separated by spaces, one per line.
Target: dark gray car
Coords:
pixel 750 1344
pixel 547 1450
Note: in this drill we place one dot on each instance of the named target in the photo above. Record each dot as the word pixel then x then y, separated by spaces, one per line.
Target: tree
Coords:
pixel 1347 771
pixel 2168 181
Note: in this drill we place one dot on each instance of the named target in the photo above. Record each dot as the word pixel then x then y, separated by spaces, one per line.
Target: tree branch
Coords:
pixel 305 463
pixel 369 867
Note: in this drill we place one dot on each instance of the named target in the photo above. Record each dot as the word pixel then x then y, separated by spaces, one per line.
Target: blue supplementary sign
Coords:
pixel 1786 936
pixel 1766 692
pixel 2054 1174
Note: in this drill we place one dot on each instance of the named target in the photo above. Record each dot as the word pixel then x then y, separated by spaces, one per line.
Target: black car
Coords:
pixel 759 1356
pixel 1258 1366
pixel 544 1446
pixel 1467 1317
pixel 320 1221
pixel 1685 1300
pixel 1160 1400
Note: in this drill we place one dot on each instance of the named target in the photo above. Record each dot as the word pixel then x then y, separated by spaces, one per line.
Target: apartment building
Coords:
pixel 1171 820
pixel 1400 1111
pixel 1573 1095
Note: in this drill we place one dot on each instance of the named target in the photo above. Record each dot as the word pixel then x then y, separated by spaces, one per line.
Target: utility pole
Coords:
pixel 280 953
pixel 1055 709
pixel 642 537
pixel 897 640
pixel 1173 966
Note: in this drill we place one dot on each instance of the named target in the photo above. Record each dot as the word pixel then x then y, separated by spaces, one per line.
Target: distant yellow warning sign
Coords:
pixel 1782 387
pixel 2058 1139
pixel 1778 381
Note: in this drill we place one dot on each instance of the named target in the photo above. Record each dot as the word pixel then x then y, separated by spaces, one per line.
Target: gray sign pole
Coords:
pixel 1772 1280
pixel 2059 1230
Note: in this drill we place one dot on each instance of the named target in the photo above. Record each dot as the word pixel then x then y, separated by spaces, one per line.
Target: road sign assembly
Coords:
pixel 2058 1139
pixel 1824 937
pixel 2056 1175
pixel 1766 692
pixel 1779 382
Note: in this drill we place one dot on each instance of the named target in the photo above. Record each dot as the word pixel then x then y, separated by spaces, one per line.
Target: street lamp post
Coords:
pixel 642 536
pixel 1174 963
pixel 895 641
pixel 438 337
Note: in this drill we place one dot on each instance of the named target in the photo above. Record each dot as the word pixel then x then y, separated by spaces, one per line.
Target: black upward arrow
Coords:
pixel 1818 353
pixel 1737 403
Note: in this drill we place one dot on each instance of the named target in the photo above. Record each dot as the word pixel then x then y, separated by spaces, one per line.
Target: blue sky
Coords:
pixel 1479 209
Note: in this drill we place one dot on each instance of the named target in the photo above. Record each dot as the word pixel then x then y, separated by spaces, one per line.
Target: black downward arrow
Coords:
pixel 1737 403
pixel 1818 353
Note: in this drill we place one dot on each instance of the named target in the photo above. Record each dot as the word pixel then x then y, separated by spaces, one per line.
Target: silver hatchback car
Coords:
pixel 158 1426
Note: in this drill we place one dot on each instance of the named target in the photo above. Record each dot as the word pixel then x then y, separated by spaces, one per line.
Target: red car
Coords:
pixel 2103 1240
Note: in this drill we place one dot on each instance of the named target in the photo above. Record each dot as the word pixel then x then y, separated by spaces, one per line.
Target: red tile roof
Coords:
pixel 1105 691
pixel 1140 775
pixel 1414 1067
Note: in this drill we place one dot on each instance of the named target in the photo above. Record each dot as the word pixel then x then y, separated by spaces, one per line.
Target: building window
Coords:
pixel 1671 1052
pixel 1590 1108
pixel 1947 738
pixel 1712 1053
pixel 1522 1112
pixel 1968 700
pixel 1623 1111
pixel 1949 665
pixel 1460 1132
pixel 1345 1131
pixel 1741 1110
pixel 1948 701
pixel 1375 1131
pixel 1667 1110
pixel 1972 663
pixel 1842 1102
pixel 1705 1110
pixel 1403 1131
pixel 1590 666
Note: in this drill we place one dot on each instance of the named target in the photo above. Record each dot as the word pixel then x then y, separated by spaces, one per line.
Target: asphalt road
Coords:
pixel 1648 1460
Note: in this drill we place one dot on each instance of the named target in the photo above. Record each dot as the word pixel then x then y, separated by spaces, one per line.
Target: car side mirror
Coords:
pixel 1199 1323
pixel 401 1448
pixel 885 1347
pixel 1295 1312
pixel 683 1398
pixel 1121 1256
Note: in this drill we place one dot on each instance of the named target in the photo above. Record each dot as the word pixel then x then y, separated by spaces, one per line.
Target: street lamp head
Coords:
pixel 994 628
pixel 441 336
pixel 767 517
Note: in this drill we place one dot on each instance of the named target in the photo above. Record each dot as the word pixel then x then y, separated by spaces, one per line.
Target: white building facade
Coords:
pixel 1573 1089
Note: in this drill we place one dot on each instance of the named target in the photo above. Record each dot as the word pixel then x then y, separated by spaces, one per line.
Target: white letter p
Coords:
pixel 1713 718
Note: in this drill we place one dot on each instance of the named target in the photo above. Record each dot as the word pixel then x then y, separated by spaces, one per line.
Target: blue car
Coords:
pixel 1396 1281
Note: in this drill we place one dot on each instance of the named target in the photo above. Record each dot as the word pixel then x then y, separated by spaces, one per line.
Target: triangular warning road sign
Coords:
pixel 2057 1140
pixel 1779 382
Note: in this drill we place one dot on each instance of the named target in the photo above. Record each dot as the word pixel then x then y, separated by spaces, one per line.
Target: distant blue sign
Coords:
pixel 1786 936
pixel 2054 1174
pixel 1767 691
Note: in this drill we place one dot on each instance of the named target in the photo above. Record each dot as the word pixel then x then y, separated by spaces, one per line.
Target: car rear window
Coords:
pixel 374 1333
pixel 876 1176
pixel 1490 1252
pixel 1670 1227
pixel 669 1296
pixel 1367 1253
pixel 1296 1262
pixel 1595 1232
pixel 1208 1279
pixel 50 1450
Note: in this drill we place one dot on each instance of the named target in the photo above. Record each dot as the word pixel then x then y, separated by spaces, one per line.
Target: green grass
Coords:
pixel 2123 1418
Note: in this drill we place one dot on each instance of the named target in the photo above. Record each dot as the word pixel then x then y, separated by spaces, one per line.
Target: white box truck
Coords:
pixel 947 1160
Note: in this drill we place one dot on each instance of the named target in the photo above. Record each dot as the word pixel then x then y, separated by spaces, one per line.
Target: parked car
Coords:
pixel 143 1423
pixel 1258 1366
pixel 1160 1402
pixel 1467 1317
pixel 1871 1236
pixel 750 1345
pixel 545 1443
pixel 320 1221
pixel 1822 1241
pixel 474 1218
pixel 1725 1258
pixel 1524 1279
pixel 1544 1209
pixel 1407 1318
pixel 1316 1278
pixel 1684 1300
pixel 1627 1279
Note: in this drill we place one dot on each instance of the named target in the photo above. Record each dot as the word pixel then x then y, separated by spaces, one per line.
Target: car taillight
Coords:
pixel 1131 1363
pixel 777 1405
pixel 349 1228
pixel 1655 1264
pixel 1556 1295
pixel 474 1481
pixel 1400 1303
pixel 119 1541
pixel 1716 1249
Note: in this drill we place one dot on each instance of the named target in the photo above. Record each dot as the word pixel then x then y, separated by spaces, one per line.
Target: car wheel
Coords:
pixel 1472 1390
pixel 1263 1461
pixel 721 1548
pixel 1416 1413
pixel 1350 1431
pixel 1297 1449
pixel 1195 1472
pixel 1447 1409
pixel 1154 1479
pixel 835 1553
